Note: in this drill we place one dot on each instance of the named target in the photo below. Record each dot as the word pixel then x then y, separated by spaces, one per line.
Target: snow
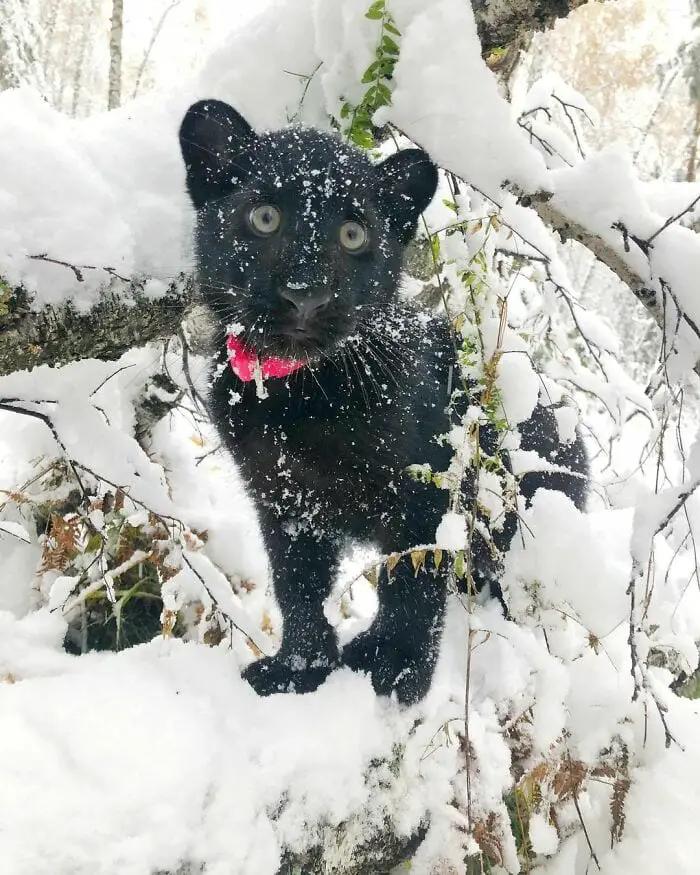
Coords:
pixel 139 761
pixel 543 835
pixel 471 131
pixel 16 529
pixel 191 773
pixel 451 534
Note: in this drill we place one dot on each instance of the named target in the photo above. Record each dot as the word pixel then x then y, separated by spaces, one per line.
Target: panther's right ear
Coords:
pixel 212 137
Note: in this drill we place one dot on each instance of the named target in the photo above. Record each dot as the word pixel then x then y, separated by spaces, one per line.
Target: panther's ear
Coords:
pixel 408 181
pixel 212 136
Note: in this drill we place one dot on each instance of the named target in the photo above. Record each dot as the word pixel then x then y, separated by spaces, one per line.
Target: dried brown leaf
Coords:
pixel 417 560
pixel 569 778
pixel 488 836
pixel 392 560
pixel 168 620
pixel 617 809
pixel 60 545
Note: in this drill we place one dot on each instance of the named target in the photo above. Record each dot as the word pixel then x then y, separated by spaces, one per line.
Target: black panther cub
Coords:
pixel 327 387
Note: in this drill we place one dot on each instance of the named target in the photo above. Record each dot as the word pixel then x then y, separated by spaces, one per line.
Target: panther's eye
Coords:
pixel 264 219
pixel 353 236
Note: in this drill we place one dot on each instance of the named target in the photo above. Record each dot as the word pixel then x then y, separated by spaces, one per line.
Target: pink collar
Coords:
pixel 244 359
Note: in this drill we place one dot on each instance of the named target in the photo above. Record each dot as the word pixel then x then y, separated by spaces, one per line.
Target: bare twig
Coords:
pixel 577 806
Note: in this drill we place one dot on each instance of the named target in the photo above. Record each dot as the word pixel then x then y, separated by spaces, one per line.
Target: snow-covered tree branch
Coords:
pixel 106 330
pixel 33 334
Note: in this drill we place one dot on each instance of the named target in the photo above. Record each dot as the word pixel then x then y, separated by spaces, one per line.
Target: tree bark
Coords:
pixel 501 24
pixel 117 323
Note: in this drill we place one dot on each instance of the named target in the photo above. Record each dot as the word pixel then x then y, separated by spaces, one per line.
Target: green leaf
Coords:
pixel 422 473
pixel 345 110
pixel 370 73
pixel 362 138
pixel 391 27
pixel 451 205
pixel 362 117
pixel 381 95
pixel 376 10
pixel 94 544
pixel 389 46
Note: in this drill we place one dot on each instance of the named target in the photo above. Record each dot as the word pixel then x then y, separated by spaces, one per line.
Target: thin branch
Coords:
pixel 46 419
pixel 109 377
pixel 566 107
pixel 154 36
pixel 79 268
pixel 674 218
pixel 584 828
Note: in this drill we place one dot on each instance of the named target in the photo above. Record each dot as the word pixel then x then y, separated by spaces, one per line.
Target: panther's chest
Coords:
pixel 343 456
pixel 332 472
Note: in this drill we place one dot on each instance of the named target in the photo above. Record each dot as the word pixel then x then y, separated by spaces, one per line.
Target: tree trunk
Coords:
pixel 690 175
pixel 114 89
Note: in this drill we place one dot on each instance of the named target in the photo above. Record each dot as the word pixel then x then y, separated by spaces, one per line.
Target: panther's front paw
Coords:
pixel 392 668
pixel 287 674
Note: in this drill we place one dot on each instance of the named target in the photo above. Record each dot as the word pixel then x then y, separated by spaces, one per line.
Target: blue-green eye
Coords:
pixel 264 219
pixel 353 236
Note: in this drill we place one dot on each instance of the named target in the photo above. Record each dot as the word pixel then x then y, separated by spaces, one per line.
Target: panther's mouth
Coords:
pixel 295 344
pixel 301 334
pixel 290 336
pixel 298 339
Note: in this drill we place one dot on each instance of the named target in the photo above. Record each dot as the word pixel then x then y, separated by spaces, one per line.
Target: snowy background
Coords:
pixel 577 756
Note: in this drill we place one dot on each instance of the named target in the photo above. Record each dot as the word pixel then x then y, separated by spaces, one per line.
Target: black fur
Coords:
pixel 325 452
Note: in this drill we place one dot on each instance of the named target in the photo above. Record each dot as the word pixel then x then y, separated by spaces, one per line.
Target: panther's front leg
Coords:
pixel 303 566
pixel 400 649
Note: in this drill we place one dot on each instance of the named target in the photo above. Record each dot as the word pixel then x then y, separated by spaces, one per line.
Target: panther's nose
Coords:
pixel 306 301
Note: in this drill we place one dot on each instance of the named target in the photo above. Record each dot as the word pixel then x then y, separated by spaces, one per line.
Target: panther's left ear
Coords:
pixel 408 181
